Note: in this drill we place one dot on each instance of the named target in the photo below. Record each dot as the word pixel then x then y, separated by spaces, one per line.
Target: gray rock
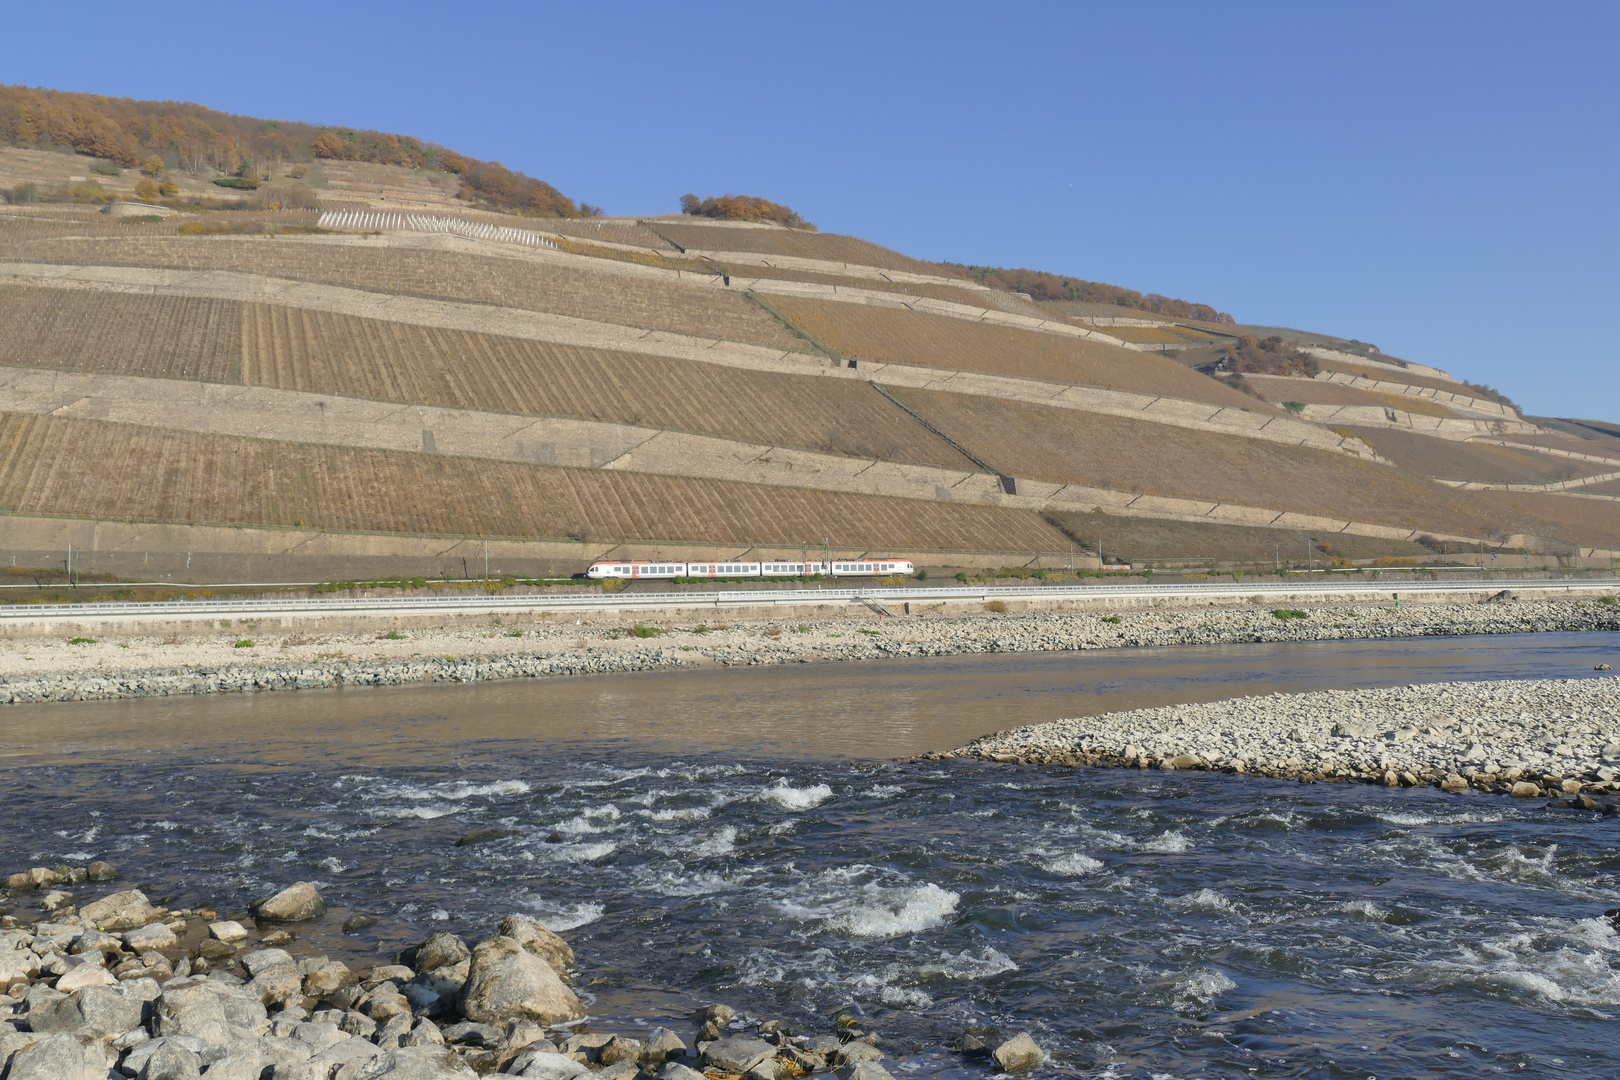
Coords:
pixel 246 1064
pixel 507 982
pixel 619 1048
pixel 121 911
pixel 440 950
pixel 676 1071
pixel 856 1050
pixel 101 871
pixel 542 1064
pixel 261 960
pixel 472 1034
pixel 540 941
pixel 299 902
pixel 84 975
pixel 661 1045
pixel 425 1033
pixel 151 936
pixel 864 1070
pixel 737 1054
pixel 358 1023
pixel 319 1037
pixel 623 1070
pixel 58 1056
pixel 325 979
pixel 1018 1053
pixel 228 931
pixel 171 1061
pixel 103 1011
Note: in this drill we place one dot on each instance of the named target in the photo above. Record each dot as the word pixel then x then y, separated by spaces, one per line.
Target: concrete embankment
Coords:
pixel 71 669
pixel 1522 737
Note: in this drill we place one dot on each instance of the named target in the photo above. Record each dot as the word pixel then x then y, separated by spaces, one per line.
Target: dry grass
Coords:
pixel 1559 441
pixel 1062 446
pixel 1589 522
pixel 1472 461
pixel 1394 375
pixel 612 230
pixel 805 245
pixel 297 349
pixel 175 337
pixel 1610 488
pixel 1131 539
pixel 914 337
pixel 1150 335
pixel 1313 392
pixel 91 469
pixel 533 285
pixel 670 261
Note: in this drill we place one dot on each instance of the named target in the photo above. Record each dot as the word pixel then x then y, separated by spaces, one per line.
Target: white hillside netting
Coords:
pixel 473 230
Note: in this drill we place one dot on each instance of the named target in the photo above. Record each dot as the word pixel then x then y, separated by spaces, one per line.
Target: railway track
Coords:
pixel 630 601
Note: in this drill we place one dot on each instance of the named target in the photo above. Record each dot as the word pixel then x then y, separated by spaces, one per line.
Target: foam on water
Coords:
pixel 1075 864
pixel 1171 842
pixel 560 918
pixel 787 797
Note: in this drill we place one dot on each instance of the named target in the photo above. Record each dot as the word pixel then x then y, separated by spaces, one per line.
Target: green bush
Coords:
pixel 245 643
pixel 81 641
pixel 1289 613
pixel 922 575
pixel 1607 600
pixel 961 575
pixel 103 167
pixel 394 635
pixel 1112 619
pixel 645 631
pixel 1294 406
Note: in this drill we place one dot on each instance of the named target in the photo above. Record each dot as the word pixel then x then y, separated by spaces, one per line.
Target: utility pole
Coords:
pixel 1276 556
pixel 826 548
pixel 1310 560
pixel 486 560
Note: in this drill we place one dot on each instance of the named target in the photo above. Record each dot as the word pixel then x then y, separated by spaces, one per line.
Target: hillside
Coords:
pixel 391 379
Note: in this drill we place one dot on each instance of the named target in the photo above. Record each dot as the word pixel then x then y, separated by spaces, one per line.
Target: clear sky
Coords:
pixel 1436 178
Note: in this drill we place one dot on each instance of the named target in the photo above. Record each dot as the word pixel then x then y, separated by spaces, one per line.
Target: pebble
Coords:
pixel 1525 738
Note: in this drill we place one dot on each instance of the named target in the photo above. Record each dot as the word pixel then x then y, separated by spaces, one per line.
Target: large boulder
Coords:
pixel 298 902
pixel 547 1064
pixel 507 982
pixel 104 1011
pixel 77 978
pixel 537 939
pixel 441 950
pixel 58 1056
pixel 737 1054
pixel 17 966
pixel 411 1063
pixel 125 910
pixel 171 1061
pixel 151 936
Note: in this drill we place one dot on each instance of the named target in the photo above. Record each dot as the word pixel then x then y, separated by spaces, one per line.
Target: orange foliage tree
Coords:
pixel 1042 286
pixel 743 208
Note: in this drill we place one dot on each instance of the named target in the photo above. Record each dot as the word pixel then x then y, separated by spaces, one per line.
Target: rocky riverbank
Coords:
pixel 1528 738
pixel 119 987
pixel 79 669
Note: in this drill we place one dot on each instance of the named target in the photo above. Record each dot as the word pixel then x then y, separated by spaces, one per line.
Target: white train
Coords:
pixel 874 566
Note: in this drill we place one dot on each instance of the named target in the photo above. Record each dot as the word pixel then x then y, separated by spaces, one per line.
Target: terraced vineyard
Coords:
pixel 1582 522
pixel 1314 392
pixel 1061 446
pixel 562 289
pixel 294 349
pixel 747 271
pixel 915 337
pixel 796 242
pixel 58 467
pixel 1482 462
pixel 175 337
pixel 1134 539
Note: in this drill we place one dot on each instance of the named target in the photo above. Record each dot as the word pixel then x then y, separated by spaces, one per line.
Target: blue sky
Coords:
pixel 1436 178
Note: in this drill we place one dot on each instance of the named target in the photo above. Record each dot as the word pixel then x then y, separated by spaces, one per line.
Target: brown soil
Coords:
pixel 91 469
pixel 1045 443
pixel 1130 539
pixel 297 349
pixel 1481 462
pixel 176 337
pixel 1591 522
pixel 914 337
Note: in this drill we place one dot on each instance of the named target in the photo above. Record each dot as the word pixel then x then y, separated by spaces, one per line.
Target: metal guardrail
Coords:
pixel 744 597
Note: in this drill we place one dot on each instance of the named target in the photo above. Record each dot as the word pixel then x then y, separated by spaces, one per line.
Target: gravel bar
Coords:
pixel 1533 737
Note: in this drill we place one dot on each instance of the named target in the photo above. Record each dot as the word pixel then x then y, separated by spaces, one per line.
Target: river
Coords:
pixel 745 836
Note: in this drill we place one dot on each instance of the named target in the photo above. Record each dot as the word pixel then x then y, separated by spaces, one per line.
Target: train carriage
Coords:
pixel 639 569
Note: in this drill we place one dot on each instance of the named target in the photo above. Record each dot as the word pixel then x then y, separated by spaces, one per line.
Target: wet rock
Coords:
pixel 277 938
pixel 540 941
pixel 507 982
pixel 355 923
pixel 1018 1053
pixel 298 902
pixel 440 950
pixel 1454 784
pixel 718 1015
pixel 101 872
pixel 228 931
pixel 121 911
pixel 56 900
pixel 737 1054
pixel 864 1070
pixel 1524 789
pixel 483 836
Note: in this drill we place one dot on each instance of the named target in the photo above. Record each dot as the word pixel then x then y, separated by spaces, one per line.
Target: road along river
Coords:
pixel 738 835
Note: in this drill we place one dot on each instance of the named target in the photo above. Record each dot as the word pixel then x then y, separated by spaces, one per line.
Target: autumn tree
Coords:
pixel 743 208
pixel 147 191
pixel 153 166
